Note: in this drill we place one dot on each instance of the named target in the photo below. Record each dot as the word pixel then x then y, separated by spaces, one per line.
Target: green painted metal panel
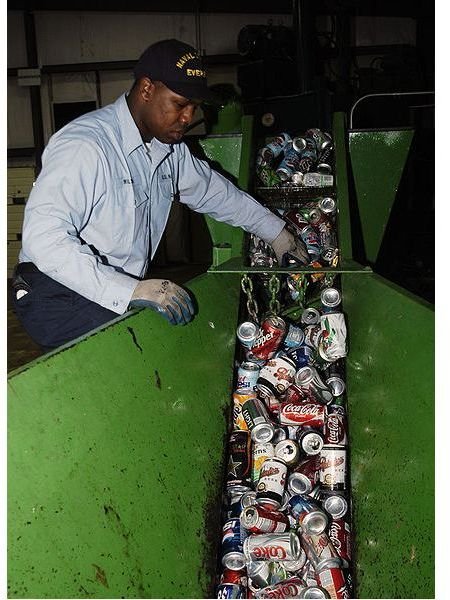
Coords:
pixel 115 457
pixel 378 159
pixel 341 183
pixel 390 379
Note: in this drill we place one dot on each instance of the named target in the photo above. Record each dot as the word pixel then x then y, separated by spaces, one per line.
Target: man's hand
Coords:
pixel 166 297
pixel 285 242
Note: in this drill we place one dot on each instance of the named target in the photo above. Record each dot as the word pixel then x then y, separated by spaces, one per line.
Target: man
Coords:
pixel 102 200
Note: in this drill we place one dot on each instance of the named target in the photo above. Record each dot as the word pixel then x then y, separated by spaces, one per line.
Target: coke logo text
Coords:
pixel 277 552
pixel 290 590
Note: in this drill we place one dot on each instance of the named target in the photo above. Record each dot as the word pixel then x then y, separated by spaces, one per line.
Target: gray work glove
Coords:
pixel 166 297
pixel 286 242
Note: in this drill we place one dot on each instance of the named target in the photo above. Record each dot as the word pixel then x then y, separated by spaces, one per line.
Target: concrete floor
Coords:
pixel 21 349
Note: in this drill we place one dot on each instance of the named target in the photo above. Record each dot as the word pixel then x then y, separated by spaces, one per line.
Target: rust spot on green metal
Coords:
pixel 100 575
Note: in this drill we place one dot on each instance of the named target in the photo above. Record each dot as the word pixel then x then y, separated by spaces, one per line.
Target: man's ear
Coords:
pixel 146 88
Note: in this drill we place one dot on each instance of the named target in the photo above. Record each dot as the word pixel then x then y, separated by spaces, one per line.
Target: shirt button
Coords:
pixel 115 303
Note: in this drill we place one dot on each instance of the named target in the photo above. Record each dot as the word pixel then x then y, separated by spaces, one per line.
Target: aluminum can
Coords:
pixel 267 175
pixel 293 566
pixel 296 395
pixel 313 333
pixel 247 333
pixel 336 385
pixel 269 338
pixel 276 375
pixel 272 481
pixel 310 440
pixel 333 345
pixel 330 299
pixel 272 546
pixel 309 155
pixel 308 574
pixel 325 168
pixel 257 519
pixel 319 549
pixel 318 180
pixel 330 256
pixel 275 147
pixel 290 163
pixel 232 545
pixel 340 535
pixel 322 139
pixel 261 452
pixel 333 467
pixel 247 376
pixel 297 219
pixel 335 429
pixel 305 476
pixel 303 414
pixel 258 420
pixel 263 573
pixel 312 241
pixel 289 588
pixel 235 507
pixel 314 591
pixel 308 513
pixel 294 337
pixel 335 504
pixel 328 205
pixel 237 577
pixel 279 435
pixel 310 316
pixel 307 378
pixel 238 400
pixel 248 498
pixel 239 465
pixel 289 451
pixel 231 590
pixel 301 356
pixel 299 143
pixel 332 579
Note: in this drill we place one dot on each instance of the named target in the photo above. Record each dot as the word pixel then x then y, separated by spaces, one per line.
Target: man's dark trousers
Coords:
pixel 51 313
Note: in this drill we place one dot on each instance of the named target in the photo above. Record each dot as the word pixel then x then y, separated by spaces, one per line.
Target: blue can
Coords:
pixel 294 338
pixel 247 376
pixel 301 355
pixel 230 590
pixel 312 241
pixel 232 545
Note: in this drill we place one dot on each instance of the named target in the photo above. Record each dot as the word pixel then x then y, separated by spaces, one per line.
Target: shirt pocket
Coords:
pixel 140 195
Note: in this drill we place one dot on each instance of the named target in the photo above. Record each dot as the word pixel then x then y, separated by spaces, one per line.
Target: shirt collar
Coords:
pixel 131 135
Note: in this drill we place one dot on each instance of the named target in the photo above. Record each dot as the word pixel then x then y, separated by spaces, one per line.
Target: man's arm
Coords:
pixel 60 204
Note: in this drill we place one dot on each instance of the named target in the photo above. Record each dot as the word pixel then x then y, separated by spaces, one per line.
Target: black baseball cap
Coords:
pixel 178 66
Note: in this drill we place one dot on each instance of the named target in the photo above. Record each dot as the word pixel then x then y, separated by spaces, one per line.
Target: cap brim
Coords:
pixel 193 91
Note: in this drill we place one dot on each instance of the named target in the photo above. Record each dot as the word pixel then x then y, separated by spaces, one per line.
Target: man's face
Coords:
pixel 165 115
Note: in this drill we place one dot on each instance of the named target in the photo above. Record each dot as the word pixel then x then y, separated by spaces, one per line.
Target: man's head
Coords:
pixel 170 84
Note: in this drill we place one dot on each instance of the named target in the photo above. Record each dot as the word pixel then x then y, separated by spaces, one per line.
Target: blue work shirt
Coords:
pixel 103 197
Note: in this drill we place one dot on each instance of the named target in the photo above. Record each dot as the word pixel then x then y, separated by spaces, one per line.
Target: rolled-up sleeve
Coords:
pixel 207 191
pixel 59 206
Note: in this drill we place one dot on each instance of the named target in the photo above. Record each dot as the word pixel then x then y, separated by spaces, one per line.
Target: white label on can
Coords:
pixel 333 466
pixel 272 478
pixel 261 452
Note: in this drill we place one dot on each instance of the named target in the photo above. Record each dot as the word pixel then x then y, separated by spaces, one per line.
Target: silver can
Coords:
pixel 247 376
pixel 333 467
pixel 289 451
pixel 271 483
pixel 327 205
pixel 247 333
pixel 276 376
pixel 293 566
pixel 330 298
pixel 319 550
pixel 310 316
pixel 308 379
pixel 313 334
pixel 257 420
pixel 311 442
pixel 314 591
pixel 272 546
pixel 261 452
pixel 336 385
pixel 336 505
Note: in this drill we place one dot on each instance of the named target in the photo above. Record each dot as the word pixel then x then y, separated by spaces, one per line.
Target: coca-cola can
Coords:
pixel 258 420
pixel 296 395
pixel 310 440
pixel 311 414
pixel 238 418
pixel 319 549
pixel 289 588
pixel 334 503
pixel 310 316
pixel 333 467
pixel 232 545
pixel 272 546
pixel 276 375
pixel 231 590
pixel 335 429
pixel 239 464
pixel 294 566
pixel 261 452
pixel 305 476
pixel 332 579
pixel 272 481
pixel 339 533
pixel 309 515
pixel 314 591
pixel 308 379
pixel 247 333
pixel 237 577
pixel 288 450
pixel 270 336
pixel 247 376
pixel 257 519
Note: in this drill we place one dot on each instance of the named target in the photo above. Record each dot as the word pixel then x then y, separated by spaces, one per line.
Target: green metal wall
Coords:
pixel 390 375
pixel 115 457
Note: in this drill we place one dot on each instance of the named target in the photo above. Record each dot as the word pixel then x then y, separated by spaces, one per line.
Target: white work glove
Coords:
pixel 166 297
pixel 286 242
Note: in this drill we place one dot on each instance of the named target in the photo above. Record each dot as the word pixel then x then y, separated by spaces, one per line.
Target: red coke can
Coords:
pixel 333 581
pixel 270 336
pixel 335 429
pixel 295 394
pixel 288 588
pixel 257 519
pixel 311 414
pixel 236 577
pixel 340 535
